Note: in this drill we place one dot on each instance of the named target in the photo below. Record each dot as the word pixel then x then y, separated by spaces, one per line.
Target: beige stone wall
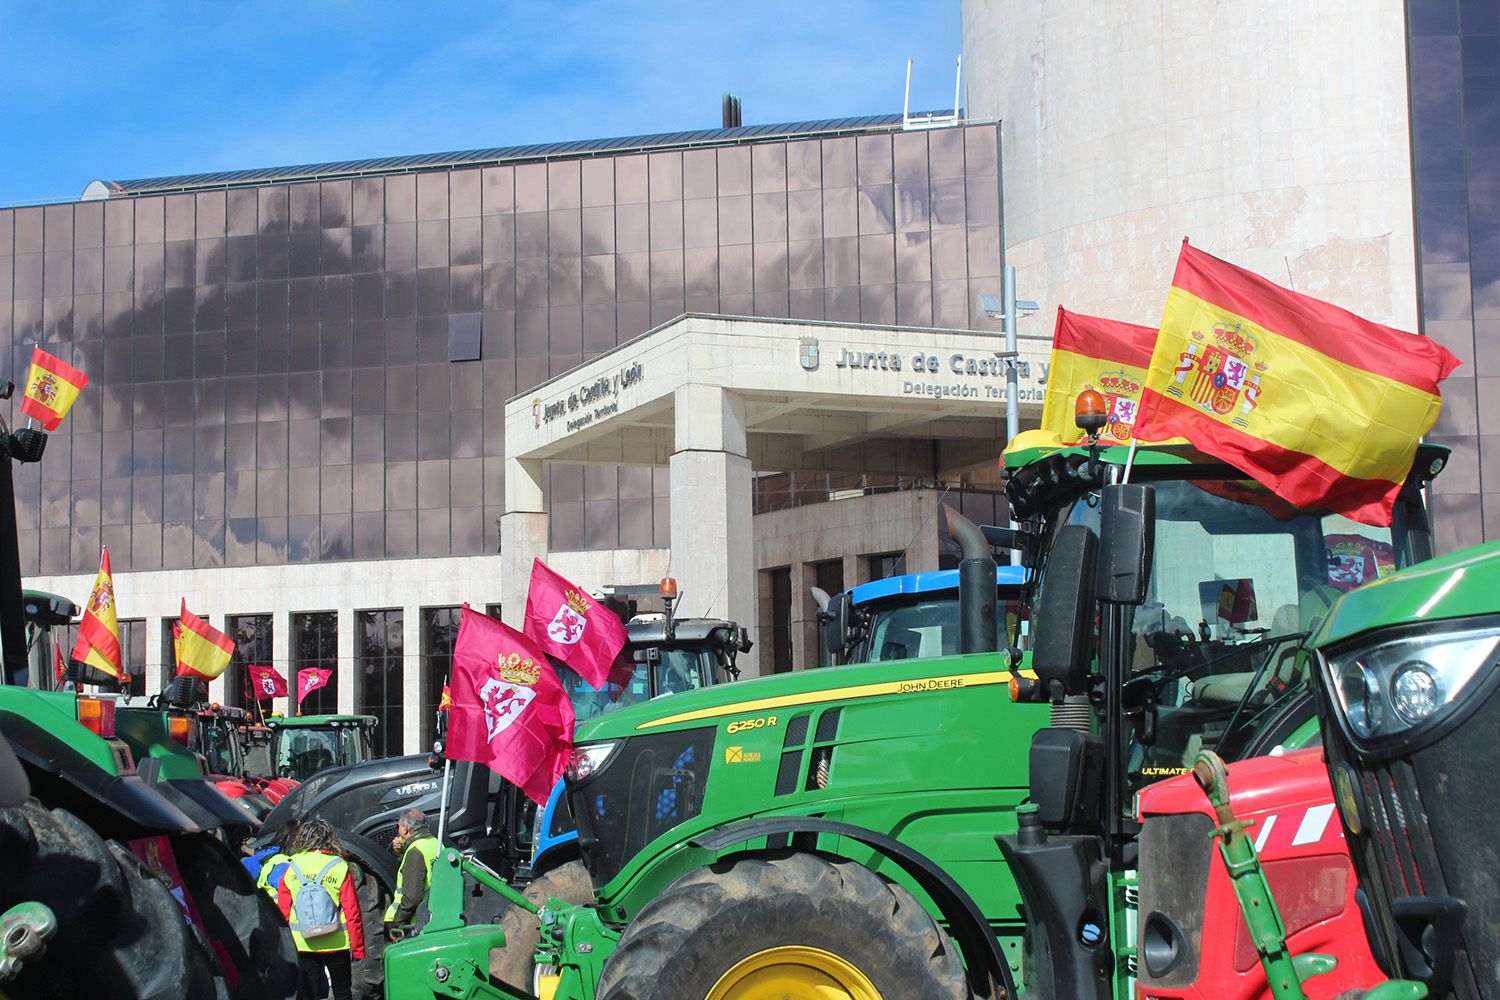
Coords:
pixel 1274 134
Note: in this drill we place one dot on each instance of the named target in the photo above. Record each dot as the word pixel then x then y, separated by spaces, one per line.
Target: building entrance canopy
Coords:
pixel 716 398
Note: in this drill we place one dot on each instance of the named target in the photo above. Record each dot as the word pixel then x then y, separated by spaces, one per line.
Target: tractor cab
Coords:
pixel 907 617
pixel 303 745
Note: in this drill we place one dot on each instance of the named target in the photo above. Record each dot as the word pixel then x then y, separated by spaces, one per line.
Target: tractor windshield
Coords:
pixel 915 628
pixel 221 750
pixel 301 753
pixel 1239 578
pixel 675 669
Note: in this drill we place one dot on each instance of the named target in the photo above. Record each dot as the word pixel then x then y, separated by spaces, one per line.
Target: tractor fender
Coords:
pixel 121 806
pixel 986 961
pixel 370 854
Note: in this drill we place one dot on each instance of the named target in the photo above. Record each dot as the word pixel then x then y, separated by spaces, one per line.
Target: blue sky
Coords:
pixel 142 89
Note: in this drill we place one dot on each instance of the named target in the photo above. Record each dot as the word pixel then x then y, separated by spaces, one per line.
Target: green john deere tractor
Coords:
pixel 837 830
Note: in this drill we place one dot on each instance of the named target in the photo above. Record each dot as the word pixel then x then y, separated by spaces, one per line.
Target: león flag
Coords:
pixel 570 625
pixel 509 710
pixel 1322 407
pixel 98 642
pixel 309 679
pixel 51 387
pixel 202 649
pixel 267 681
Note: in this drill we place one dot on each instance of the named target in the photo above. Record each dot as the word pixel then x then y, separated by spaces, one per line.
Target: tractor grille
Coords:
pixel 651 784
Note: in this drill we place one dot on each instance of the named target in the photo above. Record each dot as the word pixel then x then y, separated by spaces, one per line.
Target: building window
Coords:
pixel 379 637
pixel 829 576
pixel 885 564
pixel 493 610
pixel 781 619
pixel 168 651
pixel 439 631
pixel 252 645
pixel 463 337
pixel 315 644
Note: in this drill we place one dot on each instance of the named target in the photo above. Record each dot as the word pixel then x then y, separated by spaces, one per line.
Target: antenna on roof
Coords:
pixel 731 111
pixel 933 119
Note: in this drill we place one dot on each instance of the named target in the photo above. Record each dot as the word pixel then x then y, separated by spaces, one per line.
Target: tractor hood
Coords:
pixel 780 691
pixel 1258 785
pixel 1454 586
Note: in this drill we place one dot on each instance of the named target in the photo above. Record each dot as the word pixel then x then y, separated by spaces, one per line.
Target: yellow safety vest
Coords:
pixel 263 880
pixel 308 864
pixel 428 848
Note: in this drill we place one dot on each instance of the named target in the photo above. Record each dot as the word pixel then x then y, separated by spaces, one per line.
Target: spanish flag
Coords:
pixel 1103 354
pixel 98 642
pixel 202 649
pixel 1322 407
pixel 446 701
pixel 51 388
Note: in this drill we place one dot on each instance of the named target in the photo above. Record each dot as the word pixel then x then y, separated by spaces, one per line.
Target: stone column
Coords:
pixel 713 551
pixel 281 657
pixel 411 680
pixel 351 677
pixel 523 535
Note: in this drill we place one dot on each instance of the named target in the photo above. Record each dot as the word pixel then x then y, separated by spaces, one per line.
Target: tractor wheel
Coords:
pixel 794 926
pixel 515 963
pixel 119 934
pixel 240 917
pixel 374 897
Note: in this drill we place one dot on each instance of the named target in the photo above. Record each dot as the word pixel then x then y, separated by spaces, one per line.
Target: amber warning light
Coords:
pixel 1089 411
pixel 668 588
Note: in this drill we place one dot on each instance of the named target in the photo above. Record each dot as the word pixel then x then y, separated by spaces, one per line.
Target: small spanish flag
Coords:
pixel 446 701
pixel 1106 355
pixel 51 388
pixel 203 650
pixel 98 642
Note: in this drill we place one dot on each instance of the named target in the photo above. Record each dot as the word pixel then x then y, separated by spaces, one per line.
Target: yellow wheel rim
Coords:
pixel 793 972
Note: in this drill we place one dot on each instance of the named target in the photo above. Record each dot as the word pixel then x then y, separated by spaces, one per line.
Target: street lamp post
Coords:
pixel 1008 311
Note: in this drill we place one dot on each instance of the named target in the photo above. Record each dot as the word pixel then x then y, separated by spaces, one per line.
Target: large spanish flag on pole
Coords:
pixel 1106 355
pixel 51 388
pixel 1319 405
pixel 203 650
pixel 98 642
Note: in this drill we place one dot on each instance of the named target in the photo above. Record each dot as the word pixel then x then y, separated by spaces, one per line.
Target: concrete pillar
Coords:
pixel 281 657
pixel 411 679
pixel 351 677
pixel 523 535
pixel 713 551
pixel 158 673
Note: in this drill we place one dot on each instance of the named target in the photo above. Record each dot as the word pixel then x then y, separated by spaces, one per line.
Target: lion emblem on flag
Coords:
pixel 503 704
pixel 267 685
pixel 567 626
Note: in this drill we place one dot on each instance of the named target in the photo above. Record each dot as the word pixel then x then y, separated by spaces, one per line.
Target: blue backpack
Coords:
pixel 315 909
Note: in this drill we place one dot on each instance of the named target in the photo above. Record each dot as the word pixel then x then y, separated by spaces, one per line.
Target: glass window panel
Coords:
pixel 701 273
pixel 432 243
pixel 400 295
pixel 401 198
pixel 368 198
pixel 180 217
pixel 302 491
pixel 981 151
pixel 632 227
pixel 564 281
pixel 734 171
pixel 432 291
pixel 432 195
pixel 336 251
pixel 463 193
pixel 531 235
pixel 28 229
pixel 239 258
pixel 208 496
pixel 270 492
pixel 271 541
pixel 735 220
pixel 770 267
pixel 876 209
pixel 531 187
pixel 945 150
pixel 949 254
pixel 302 443
pixel 805 264
pixel 57 227
pixel 736 270
pixel 464 239
pixel 150 222
pixel 630 179
pixel 239 494
pixel 877 261
pixel 805 303
pixel 804 215
pixel 304 206
pixel 840 212
pixel 769 217
pixel 240 212
pixel 88 227
pixel 563 185
pixel 119 224
pixel 400 534
pixel 273 207
pixel 566 526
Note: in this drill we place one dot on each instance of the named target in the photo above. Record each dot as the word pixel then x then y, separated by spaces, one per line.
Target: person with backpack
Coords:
pixel 319 901
pixel 268 864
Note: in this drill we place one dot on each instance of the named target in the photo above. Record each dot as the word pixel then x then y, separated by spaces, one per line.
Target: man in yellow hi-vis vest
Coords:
pixel 321 906
pixel 419 848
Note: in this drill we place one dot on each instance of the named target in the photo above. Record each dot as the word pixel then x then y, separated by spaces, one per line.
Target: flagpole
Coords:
pixel 447 770
pixel 1129 460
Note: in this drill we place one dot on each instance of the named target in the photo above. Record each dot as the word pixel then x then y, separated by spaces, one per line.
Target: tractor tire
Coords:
pixel 120 933
pixel 796 925
pixel 516 962
pixel 374 896
pixel 241 918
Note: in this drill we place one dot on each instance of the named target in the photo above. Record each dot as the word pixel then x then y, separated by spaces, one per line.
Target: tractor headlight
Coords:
pixel 589 758
pixel 1387 691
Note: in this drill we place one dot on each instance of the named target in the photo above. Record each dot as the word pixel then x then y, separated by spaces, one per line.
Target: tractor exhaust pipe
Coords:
pixel 978 630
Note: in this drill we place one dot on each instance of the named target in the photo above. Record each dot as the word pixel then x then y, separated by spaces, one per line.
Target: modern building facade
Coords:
pixel 298 376
pixel 1346 148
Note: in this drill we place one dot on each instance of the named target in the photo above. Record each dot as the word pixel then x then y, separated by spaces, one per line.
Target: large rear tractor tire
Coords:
pixel 240 917
pixel 119 934
pixel 515 963
pixel 793 926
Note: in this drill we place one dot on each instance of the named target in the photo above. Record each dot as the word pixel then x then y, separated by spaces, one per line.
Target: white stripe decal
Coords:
pixel 1265 833
pixel 1313 825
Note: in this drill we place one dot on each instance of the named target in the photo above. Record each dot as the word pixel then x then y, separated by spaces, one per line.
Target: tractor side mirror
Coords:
pixel 1065 611
pixel 833 629
pixel 1127 529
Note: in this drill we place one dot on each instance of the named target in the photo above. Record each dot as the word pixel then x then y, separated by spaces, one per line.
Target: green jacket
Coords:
pixel 413 880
